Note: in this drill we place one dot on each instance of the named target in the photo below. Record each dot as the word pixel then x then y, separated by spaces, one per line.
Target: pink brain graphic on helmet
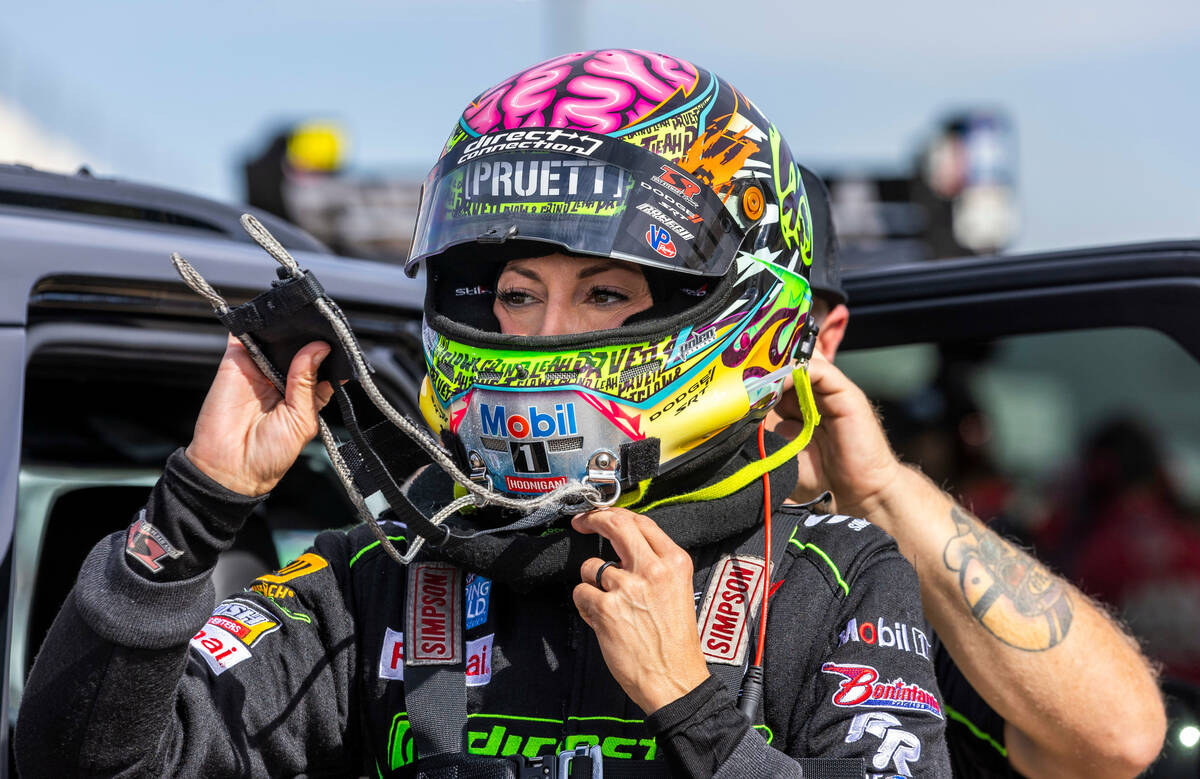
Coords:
pixel 599 91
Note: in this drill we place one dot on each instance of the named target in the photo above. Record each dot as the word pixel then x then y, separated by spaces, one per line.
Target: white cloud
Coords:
pixel 25 142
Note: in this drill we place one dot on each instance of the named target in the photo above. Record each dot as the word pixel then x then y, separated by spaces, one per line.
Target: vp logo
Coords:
pixel 660 241
pixel 898 747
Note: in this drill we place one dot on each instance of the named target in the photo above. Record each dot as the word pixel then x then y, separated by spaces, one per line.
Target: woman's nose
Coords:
pixel 561 318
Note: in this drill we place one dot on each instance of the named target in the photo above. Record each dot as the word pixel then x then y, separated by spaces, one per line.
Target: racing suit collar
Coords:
pixel 524 561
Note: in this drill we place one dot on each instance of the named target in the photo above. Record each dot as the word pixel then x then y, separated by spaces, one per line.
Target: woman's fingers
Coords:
pixel 301 393
pixel 609 581
pixel 621 529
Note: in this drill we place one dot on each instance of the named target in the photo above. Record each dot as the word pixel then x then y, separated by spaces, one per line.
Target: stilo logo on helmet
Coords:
pixel 675 170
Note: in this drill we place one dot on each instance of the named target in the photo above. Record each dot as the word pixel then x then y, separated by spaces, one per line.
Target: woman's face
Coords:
pixel 559 294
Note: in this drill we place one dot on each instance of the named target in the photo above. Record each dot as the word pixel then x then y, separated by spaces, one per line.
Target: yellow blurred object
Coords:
pixel 316 146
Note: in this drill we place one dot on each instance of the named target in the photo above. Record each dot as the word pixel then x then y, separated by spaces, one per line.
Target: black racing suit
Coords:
pixel 974 731
pixel 301 673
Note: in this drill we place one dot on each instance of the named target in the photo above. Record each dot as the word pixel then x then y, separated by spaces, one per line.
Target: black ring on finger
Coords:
pixel 600 572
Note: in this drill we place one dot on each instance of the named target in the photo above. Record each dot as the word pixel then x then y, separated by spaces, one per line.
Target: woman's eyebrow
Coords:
pixel 593 270
pixel 522 271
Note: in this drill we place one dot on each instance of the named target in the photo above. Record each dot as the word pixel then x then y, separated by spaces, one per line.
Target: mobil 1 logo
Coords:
pixel 529 456
pixel 896 635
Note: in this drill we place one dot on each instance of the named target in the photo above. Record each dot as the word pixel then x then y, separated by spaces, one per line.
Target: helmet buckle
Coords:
pixel 478 473
pixel 602 477
pixel 808 340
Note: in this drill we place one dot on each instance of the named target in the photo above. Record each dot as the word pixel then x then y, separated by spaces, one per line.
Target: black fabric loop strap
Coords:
pixel 389 445
pixel 278 303
pixel 399 503
pixel 285 318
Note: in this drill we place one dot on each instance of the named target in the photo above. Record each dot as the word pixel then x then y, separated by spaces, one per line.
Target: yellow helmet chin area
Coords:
pixel 534 420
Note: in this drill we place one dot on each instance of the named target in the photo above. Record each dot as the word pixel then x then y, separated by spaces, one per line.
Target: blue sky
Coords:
pixel 1102 94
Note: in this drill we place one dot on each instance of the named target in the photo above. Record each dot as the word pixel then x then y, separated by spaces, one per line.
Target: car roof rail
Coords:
pixel 85 197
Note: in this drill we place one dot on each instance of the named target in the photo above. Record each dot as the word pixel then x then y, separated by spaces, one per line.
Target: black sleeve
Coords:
pixel 974 731
pixel 699 731
pixel 873 691
pixel 139 674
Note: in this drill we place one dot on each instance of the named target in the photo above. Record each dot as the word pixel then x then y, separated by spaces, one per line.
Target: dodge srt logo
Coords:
pixel 679 184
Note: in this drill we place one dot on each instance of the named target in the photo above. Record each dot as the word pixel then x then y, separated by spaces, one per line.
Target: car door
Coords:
pixel 109 357
pixel 1055 394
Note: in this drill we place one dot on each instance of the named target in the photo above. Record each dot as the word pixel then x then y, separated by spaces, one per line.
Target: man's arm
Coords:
pixel 1078 697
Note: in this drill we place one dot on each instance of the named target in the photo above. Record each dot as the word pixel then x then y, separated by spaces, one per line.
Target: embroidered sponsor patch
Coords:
pixel 898 635
pixel 302 566
pixel 897 746
pixel 434 624
pixel 242 620
pixel 146 544
pixel 854 523
pixel 272 591
pixel 860 686
pixel 479 661
pixel 221 649
pixel 538 485
pixel 391 658
pixel 734 594
pixel 479 591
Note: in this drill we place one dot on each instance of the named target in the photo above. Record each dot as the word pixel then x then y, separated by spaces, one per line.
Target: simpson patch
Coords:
pixel 734 594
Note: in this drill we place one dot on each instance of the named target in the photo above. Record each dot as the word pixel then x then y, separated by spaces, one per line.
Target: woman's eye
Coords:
pixel 604 295
pixel 514 297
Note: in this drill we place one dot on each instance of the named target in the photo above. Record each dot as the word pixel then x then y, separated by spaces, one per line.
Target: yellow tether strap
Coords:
pixel 731 484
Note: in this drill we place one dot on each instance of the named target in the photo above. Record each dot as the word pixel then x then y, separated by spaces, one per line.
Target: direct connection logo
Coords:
pixel 660 241
pixel 860 686
pixel 498 422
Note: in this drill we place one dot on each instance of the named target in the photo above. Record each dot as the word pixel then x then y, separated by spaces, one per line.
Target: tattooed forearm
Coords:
pixel 1010 593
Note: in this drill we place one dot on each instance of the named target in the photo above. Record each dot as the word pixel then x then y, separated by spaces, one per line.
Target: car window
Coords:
pixel 1083 445
pixel 101 415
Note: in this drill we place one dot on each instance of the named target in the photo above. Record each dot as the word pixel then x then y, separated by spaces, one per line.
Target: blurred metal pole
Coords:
pixel 564 24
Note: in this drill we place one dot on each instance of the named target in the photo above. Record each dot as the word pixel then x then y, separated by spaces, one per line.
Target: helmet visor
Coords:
pixel 584 193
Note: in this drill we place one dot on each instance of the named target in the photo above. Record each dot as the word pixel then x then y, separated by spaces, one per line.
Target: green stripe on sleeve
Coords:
pixel 975 731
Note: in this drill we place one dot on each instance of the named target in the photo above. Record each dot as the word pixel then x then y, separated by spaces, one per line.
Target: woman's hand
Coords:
pixel 645 615
pixel 849 455
pixel 247 435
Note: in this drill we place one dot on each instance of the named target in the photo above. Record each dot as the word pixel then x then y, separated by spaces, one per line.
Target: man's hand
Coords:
pixel 645 616
pixel 849 454
pixel 247 435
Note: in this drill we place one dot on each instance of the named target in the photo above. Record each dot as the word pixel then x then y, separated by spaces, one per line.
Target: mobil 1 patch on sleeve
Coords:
pixel 735 591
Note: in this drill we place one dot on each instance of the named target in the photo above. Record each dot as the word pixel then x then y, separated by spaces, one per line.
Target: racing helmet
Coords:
pixel 623 154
